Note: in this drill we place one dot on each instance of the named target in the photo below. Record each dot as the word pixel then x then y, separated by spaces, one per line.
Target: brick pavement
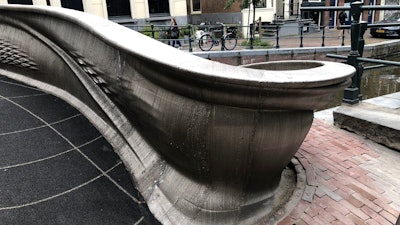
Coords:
pixel 350 180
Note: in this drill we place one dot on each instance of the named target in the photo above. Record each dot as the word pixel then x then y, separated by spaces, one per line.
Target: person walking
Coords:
pixel 175 33
pixel 342 21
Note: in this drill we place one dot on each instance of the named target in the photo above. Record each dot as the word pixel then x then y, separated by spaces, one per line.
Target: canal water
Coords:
pixel 382 81
pixel 376 82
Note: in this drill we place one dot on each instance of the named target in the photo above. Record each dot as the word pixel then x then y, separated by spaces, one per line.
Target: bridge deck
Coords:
pixel 55 168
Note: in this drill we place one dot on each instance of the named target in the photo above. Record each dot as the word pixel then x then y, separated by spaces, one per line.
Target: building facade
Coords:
pixel 144 12
pixel 138 12
pixel 215 11
pixel 212 12
pixel 330 19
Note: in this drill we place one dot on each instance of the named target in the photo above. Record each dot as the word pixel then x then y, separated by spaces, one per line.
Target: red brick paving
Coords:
pixel 339 190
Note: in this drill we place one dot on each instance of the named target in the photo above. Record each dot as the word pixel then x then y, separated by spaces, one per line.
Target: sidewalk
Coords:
pixel 313 39
pixel 350 180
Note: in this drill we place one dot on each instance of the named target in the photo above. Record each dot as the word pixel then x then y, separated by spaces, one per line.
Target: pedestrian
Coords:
pixel 174 29
pixel 342 21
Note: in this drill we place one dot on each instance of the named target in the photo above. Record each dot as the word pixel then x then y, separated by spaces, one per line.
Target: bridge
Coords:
pixel 198 138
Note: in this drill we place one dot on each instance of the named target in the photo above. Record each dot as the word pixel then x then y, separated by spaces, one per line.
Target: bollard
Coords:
pixel 277 36
pixel 152 31
pixel 352 94
pixel 301 35
pixel 190 38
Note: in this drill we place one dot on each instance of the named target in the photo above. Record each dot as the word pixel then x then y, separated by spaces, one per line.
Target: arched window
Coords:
pixel 158 8
pixel 22 2
pixel 72 4
pixel 118 8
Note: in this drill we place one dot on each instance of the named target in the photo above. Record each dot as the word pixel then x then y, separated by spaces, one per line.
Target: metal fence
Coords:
pixel 352 94
pixel 266 35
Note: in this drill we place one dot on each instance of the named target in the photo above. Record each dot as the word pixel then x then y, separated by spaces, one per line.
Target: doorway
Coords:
pixel 72 4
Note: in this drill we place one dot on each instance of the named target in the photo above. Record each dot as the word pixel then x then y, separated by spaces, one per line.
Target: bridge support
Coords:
pixel 205 143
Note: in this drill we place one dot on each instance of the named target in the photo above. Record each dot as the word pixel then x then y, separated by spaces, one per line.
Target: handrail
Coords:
pixel 341 8
pixel 367 60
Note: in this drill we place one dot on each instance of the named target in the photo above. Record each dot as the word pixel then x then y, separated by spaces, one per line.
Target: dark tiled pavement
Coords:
pixel 56 168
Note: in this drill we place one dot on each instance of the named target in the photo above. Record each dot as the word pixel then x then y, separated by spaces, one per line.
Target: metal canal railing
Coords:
pixel 352 94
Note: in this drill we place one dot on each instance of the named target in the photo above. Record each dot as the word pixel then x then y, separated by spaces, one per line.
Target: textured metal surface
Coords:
pixel 204 142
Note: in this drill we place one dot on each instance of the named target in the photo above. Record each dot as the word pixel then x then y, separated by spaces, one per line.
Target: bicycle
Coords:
pixel 208 39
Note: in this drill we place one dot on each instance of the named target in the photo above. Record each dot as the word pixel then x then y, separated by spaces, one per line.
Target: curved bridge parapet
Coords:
pixel 204 142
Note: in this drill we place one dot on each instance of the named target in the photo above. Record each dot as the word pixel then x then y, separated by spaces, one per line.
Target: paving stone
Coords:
pixel 363 191
pixel 372 222
pixel 355 196
pixel 355 210
pixel 354 201
pixel 355 219
pixel 388 216
pixel 367 202
pixel 342 219
pixel 308 194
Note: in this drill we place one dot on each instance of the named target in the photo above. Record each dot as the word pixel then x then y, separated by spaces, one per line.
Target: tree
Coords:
pixel 246 4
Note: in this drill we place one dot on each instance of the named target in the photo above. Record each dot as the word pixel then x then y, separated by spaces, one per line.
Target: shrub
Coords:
pixel 257 42
pixel 148 32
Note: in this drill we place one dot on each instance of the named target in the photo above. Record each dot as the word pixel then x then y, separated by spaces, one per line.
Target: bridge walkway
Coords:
pixel 56 168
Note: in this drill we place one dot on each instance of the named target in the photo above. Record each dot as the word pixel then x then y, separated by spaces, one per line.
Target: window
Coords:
pixel 262 4
pixel 118 8
pixel 72 4
pixel 22 2
pixel 158 8
pixel 196 6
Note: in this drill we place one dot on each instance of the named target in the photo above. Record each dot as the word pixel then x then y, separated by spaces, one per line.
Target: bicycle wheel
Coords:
pixel 230 41
pixel 206 42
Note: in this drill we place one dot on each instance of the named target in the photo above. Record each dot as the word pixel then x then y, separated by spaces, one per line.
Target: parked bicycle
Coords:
pixel 208 39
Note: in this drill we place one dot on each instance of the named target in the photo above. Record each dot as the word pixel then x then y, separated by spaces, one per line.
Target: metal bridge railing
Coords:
pixel 268 36
pixel 352 94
